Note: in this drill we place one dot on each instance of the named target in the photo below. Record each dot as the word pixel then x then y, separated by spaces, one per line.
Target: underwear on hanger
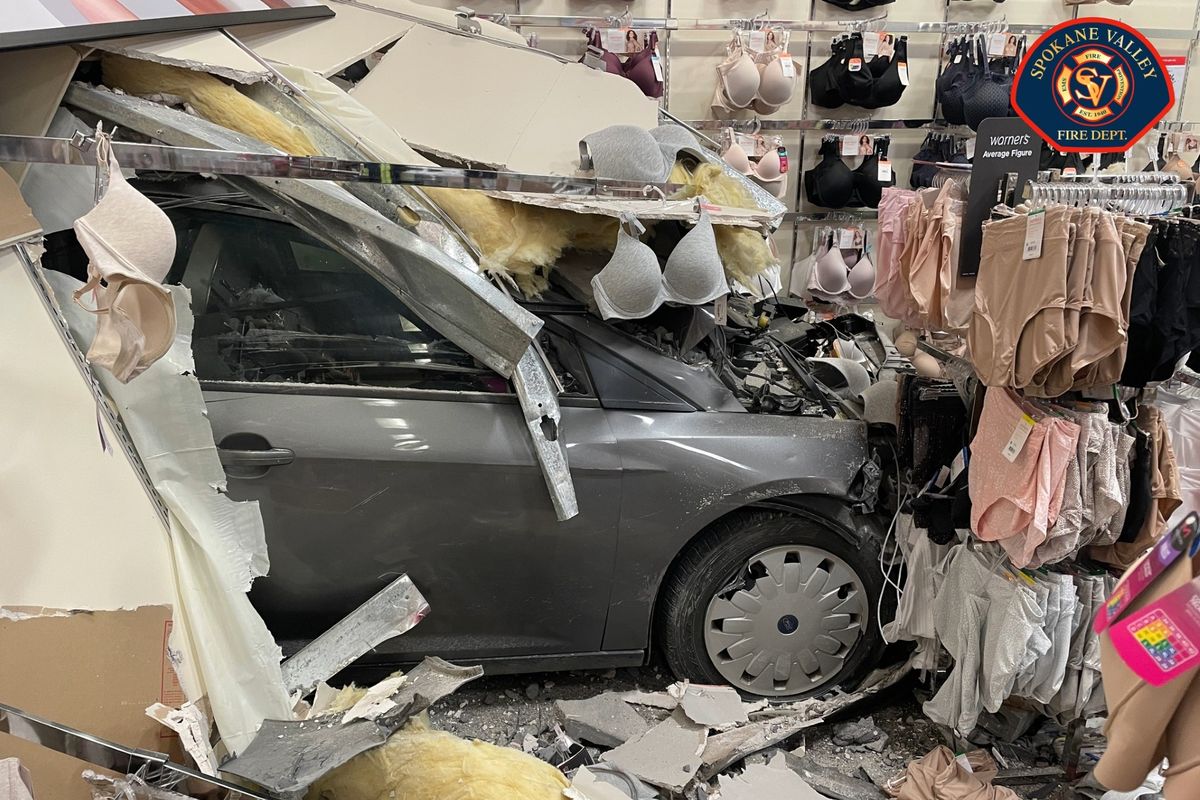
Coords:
pixel 632 285
pixel 130 244
pixel 847 77
pixel 630 153
pixel 746 80
pixel 639 67
pixel 832 184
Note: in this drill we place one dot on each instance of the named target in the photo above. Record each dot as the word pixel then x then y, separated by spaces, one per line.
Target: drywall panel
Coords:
pixel 33 86
pixel 210 51
pixel 79 529
pixel 471 112
pixel 326 46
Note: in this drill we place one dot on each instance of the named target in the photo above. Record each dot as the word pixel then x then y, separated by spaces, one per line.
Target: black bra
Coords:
pixel 847 77
pixel 973 87
pixel 832 184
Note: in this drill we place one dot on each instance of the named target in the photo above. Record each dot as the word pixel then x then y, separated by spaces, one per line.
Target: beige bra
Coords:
pixel 757 81
pixel 769 172
pixel 130 244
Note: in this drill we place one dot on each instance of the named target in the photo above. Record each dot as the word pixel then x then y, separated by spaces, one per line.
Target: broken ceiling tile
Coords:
pixel 652 699
pixel 471 114
pixel 393 610
pixel 605 720
pixel 326 46
pixel 288 756
pixel 193 724
pixel 586 786
pixel 773 781
pixel 27 105
pixel 377 701
pixel 726 749
pixel 203 51
pixel 667 755
pixel 713 706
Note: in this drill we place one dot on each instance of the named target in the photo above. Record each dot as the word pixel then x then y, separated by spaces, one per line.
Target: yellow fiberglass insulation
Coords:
pixel 743 251
pixel 212 98
pixel 419 763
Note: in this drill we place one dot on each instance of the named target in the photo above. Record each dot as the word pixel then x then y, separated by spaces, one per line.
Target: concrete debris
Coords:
pixel 861 731
pixel 723 750
pixel 832 783
pixel 605 720
pixel 652 699
pixel 288 756
pixel 668 755
pixel 713 706
pixel 773 781
pixel 532 691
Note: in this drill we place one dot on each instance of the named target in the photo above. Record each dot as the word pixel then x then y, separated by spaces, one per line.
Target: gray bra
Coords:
pixel 632 285
pixel 630 153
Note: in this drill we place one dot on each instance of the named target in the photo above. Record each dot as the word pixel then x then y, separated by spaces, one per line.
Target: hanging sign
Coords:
pixel 1176 67
pixel 28 23
pixel 1092 85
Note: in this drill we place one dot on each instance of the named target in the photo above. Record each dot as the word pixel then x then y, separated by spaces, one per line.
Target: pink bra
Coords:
pixel 769 172
pixel 832 277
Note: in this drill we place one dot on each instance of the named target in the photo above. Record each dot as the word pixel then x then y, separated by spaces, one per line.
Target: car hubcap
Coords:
pixel 787 624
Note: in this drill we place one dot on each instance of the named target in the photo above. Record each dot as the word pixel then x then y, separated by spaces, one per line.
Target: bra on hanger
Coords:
pixel 832 184
pixel 847 77
pixel 753 80
pixel 769 172
pixel 832 277
pixel 822 79
pixel 632 285
pixel 639 67
pixel 953 80
pixel 988 95
pixel 130 245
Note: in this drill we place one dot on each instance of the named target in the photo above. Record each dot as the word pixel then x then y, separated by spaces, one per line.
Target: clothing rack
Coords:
pixel 844 215
pixel 814 26
pixel 1130 197
pixel 78 152
pixel 859 125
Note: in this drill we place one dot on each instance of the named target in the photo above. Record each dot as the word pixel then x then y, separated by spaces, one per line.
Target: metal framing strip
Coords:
pixel 161 158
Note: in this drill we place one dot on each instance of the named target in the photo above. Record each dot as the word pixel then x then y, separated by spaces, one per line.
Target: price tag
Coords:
pixel 1019 436
pixel 902 68
pixel 855 65
pixel 997 43
pixel 847 238
pixel 1035 226
pixel 850 145
pixel 758 40
pixel 788 66
pixel 748 142
pixel 656 62
pixel 783 160
pixel 721 310
pixel 885 171
pixel 1069 171
pixel 957 58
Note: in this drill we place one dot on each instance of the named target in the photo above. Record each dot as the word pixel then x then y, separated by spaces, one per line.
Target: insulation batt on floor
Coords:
pixel 419 763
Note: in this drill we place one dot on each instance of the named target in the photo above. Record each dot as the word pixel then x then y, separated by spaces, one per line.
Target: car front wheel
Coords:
pixel 772 603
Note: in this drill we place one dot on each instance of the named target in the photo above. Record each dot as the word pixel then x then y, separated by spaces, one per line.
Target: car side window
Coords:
pixel 273 304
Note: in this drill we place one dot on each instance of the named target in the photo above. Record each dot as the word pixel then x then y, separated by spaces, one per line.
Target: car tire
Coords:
pixel 773 603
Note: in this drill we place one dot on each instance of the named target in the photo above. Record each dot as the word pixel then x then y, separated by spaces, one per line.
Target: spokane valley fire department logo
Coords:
pixel 1092 85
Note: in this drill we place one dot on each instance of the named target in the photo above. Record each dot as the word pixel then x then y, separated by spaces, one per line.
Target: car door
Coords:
pixel 374 447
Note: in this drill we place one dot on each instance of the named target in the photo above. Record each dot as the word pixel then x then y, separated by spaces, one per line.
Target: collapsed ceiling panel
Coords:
pixel 208 51
pixel 35 81
pixel 440 16
pixel 471 113
pixel 325 46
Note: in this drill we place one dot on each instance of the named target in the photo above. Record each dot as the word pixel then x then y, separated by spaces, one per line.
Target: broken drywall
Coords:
pixel 667 755
pixel 209 51
pixel 326 46
pixel 605 720
pixel 16 218
pixel 66 540
pixel 712 706
pixel 772 781
pixel 27 105
pixel 217 546
pixel 472 113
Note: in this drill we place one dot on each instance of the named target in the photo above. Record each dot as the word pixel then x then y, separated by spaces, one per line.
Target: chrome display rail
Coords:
pixel 77 152
pixel 849 125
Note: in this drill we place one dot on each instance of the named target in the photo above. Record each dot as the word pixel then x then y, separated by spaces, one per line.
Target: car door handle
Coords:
pixel 272 457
